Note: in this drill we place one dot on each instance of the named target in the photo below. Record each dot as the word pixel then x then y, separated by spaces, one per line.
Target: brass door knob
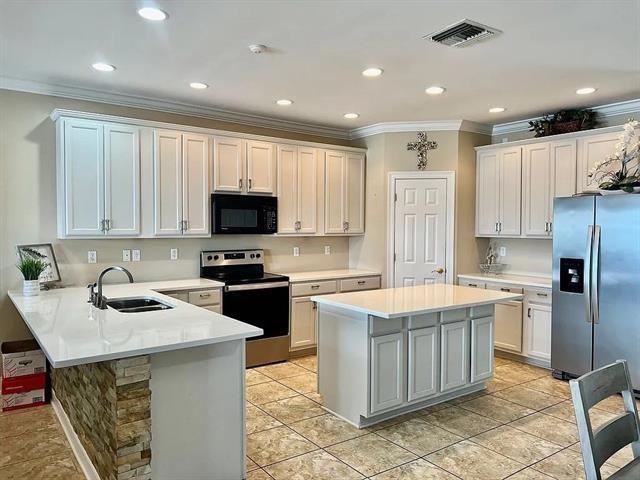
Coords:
pixel 438 270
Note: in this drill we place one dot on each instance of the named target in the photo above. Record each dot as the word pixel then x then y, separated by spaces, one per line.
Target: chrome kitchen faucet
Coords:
pixel 96 298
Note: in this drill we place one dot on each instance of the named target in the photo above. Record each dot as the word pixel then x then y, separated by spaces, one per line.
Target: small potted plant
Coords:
pixel 620 171
pixel 31 268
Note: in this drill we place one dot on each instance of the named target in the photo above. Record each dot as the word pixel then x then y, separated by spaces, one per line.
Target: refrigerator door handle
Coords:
pixel 587 274
pixel 595 275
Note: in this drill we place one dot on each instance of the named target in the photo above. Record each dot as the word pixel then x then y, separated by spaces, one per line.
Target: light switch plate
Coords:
pixel 92 256
pixel 135 255
pixel 296 251
pixel 126 255
pixel 327 249
pixel 173 254
pixel 502 251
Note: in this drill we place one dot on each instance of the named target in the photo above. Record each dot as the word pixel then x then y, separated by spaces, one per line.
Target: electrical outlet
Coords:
pixel 174 254
pixel 92 256
pixel 296 251
pixel 126 255
pixel 502 251
pixel 327 249
pixel 136 255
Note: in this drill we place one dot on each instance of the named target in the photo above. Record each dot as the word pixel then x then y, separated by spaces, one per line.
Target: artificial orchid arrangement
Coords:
pixel 620 170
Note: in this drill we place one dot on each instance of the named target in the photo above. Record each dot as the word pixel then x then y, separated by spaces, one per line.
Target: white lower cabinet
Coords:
pixel 481 348
pixel 454 369
pixel 508 334
pixel 209 299
pixel 537 325
pixel 387 371
pixel 304 315
pixel 423 364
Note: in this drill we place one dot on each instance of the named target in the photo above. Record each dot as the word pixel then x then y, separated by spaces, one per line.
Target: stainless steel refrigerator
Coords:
pixel 596 284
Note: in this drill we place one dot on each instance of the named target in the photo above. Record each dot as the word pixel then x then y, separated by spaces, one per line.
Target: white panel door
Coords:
pixel 287 189
pixel 261 167
pixel 122 180
pixel 536 176
pixel 387 373
pixel 424 363
pixel 510 191
pixel 195 184
pixel 167 164
pixel 454 355
pixel 354 192
pixel 487 193
pixel 303 323
pixel 83 177
pixel 538 331
pixel 334 210
pixel 508 328
pixel 592 149
pixel 481 348
pixel 307 190
pixel 420 231
pixel 228 164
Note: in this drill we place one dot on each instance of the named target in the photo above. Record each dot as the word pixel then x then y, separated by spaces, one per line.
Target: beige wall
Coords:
pixel 28 208
pixel 388 153
pixel 527 255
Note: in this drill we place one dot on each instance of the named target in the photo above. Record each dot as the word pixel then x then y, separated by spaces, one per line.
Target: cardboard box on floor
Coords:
pixel 22 357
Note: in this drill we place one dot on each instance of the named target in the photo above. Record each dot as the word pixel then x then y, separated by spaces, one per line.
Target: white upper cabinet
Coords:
pixel 334 192
pixel 228 164
pixel 261 168
pixel 344 192
pixel 498 183
pixel 297 190
pixel 354 193
pixel 181 165
pixel 98 179
pixel 590 150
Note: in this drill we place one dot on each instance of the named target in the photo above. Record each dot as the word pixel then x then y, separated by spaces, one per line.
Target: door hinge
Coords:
pixel 395 197
pixel 394 256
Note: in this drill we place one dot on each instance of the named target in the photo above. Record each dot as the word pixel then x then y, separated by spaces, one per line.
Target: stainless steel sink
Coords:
pixel 137 304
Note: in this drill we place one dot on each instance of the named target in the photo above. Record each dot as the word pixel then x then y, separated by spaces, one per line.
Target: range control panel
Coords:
pixel 572 275
pixel 231 257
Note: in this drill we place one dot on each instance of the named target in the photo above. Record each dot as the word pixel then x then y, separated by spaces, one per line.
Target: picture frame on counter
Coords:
pixel 42 251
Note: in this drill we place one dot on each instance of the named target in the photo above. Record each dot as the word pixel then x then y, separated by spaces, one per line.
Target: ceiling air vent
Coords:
pixel 463 33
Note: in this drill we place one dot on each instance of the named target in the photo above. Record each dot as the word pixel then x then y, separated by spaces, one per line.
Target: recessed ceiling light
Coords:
pixel 351 116
pixel 103 67
pixel 372 72
pixel 497 110
pixel 153 14
pixel 585 90
pixel 284 102
pixel 198 85
pixel 435 90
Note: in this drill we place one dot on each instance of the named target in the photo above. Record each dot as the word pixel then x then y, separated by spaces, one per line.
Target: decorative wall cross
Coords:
pixel 422 146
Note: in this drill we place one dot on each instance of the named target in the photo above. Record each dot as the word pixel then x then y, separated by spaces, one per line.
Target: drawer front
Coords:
pixel 214 308
pixel 306 289
pixel 423 321
pixel 453 315
pixel 183 296
pixel 504 288
pixel 538 295
pixel 481 311
pixel 205 297
pixel 381 326
pixel 363 283
pixel 472 283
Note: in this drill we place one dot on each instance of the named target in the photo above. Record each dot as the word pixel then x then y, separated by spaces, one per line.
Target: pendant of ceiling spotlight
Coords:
pixel 257 48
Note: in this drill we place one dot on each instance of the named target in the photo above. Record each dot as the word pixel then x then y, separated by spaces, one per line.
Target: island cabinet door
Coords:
pixel 303 322
pixel 454 358
pixel 387 375
pixel 423 363
pixel 481 348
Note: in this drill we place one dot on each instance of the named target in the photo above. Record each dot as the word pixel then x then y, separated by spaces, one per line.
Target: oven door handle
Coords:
pixel 255 286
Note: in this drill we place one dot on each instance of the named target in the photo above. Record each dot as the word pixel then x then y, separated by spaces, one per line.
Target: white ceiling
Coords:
pixel 318 49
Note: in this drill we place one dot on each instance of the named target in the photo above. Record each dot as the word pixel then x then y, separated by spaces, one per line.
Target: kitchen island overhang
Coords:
pixel 388 352
pixel 145 395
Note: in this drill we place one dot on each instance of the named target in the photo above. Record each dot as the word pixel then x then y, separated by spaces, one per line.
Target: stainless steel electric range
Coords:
pixel 252 296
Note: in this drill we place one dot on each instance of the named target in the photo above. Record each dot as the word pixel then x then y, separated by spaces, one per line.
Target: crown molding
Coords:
pixel 611 109
pixel 426 126
pixel 150 103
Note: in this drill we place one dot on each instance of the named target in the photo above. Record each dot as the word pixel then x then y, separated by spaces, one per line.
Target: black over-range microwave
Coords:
pixel 243 214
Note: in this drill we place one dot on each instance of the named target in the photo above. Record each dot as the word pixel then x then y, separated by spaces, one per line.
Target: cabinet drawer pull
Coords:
pixel 505 289
pixel 205 295
pixel 315 287
pixel 361 282
pixel 529 312
pixel 249 184
pixel 472 285
pixel 543 294
pixel 315 305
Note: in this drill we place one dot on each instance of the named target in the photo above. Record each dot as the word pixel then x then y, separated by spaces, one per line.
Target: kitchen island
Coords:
pixel 383 353
pixel 152 394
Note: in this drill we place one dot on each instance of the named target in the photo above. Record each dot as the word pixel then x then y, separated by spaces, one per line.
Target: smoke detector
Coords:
pixel 257 48
pixel 462 33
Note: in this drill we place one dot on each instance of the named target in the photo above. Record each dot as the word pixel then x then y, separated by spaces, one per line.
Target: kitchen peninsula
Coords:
pixel 383 353
pixel 153 394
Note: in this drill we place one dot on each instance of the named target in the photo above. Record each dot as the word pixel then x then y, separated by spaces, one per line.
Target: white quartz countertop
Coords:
pixel 524 280
pixel 71 331
pixel 400 302
pixel 316 275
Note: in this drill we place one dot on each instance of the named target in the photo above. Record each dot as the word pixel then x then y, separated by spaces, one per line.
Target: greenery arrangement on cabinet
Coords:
pixel 620 171
pixel 564 121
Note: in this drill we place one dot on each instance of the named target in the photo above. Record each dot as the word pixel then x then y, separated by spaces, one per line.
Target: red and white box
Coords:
pixel 22 392
pixel 22 358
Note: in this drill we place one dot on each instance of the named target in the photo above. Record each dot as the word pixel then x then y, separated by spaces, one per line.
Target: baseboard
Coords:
pixel 78 450
pixel 521 358
pixel 303 352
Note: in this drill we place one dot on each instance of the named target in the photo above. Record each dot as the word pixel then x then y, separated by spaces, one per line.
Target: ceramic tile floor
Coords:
pixel 521 427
